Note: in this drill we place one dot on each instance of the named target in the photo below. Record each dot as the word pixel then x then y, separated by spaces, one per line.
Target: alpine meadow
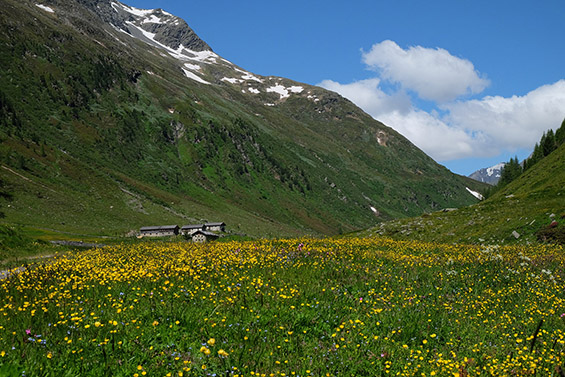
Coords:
pixel 165 212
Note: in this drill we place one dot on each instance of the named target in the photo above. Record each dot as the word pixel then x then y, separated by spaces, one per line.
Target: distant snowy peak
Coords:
pixel 495 170
pixel 489 175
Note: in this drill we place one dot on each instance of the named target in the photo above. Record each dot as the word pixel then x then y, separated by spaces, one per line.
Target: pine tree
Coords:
pixel 510 172
pixel 534 158
pixel 560 134
pixel 548 144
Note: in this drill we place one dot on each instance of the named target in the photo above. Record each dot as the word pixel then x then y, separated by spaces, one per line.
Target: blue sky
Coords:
pixel 471 83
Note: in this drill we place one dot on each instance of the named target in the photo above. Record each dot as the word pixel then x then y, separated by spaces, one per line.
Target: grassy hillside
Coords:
pixel 102 134
pixel 525 206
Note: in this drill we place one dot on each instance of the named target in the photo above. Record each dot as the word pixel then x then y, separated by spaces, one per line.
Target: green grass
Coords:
pixel 525 206
pixel 287 307
pixel 18 247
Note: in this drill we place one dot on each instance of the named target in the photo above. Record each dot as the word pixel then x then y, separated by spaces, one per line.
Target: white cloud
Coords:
pixel 475 128
pixel 434 74
pixel 427 132
pixel 367 95
pixel 515 122
pixel 432 135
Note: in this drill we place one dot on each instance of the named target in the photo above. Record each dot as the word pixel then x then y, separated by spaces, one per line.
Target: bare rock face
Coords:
pixel 382 138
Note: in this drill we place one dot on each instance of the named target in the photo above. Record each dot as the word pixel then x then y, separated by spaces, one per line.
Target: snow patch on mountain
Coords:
pixel 284 91
pixel 192 67
pixel 280 89
pixel 139 12
pixel 183 53
pixel 153 20
pixel 45 8
pixel 145 33
pixel 249 76
pixel 195 77
pixel 475 194
pixel 232 80
pixel 135 11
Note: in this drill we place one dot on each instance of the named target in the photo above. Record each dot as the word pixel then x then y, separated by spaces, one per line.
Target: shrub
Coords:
pixel 10 237
pixel 552 234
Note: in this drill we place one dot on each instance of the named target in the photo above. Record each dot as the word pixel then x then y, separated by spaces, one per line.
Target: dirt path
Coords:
pixel 27 179
pixel 78 244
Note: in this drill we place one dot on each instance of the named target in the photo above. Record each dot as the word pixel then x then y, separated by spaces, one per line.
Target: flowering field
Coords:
pixel 287 308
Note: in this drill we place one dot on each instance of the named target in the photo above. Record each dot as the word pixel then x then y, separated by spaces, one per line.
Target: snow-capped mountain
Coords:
pixel 488 175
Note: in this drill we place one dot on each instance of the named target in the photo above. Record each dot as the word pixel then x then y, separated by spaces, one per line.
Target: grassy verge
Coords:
pixel 287 307
pixel 14 244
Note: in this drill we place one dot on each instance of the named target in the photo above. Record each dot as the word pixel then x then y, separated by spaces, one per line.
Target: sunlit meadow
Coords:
pixel 302 307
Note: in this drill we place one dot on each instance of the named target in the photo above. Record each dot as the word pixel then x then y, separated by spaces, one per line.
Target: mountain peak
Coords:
pixel 154 26
pixel 489 175
pixel 167 29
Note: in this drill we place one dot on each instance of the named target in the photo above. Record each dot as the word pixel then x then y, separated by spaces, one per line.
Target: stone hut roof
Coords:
pixel 207 234
pixel 215 224
pixel 155 228
pixel 193 226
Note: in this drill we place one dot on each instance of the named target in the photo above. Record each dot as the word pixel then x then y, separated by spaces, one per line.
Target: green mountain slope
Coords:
pixel 525 206
pixel 102 132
